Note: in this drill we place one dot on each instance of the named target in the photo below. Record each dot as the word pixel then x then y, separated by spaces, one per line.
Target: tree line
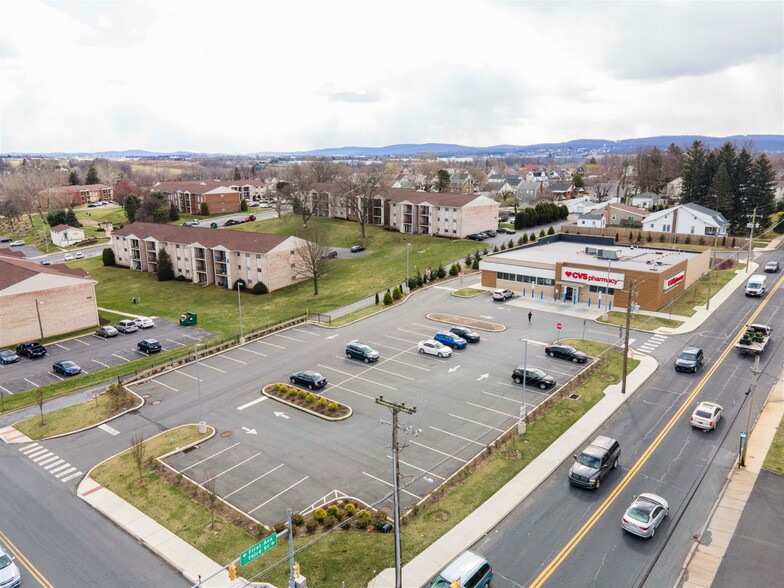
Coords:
pixel 541 214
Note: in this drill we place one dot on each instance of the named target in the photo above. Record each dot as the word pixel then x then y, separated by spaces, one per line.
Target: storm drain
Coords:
pixel 574 396
pixel 226 434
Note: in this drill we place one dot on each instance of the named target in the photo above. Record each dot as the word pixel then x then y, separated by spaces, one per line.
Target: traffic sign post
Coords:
pixel 742 457
pixel 252 553
pixel 559 326
pixel 460 275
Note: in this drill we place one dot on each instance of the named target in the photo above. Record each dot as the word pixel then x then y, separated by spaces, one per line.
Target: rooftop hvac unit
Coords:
pixel 608 254
pixel 590 250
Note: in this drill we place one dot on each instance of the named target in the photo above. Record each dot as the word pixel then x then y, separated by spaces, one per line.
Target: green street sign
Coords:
pixel 252 553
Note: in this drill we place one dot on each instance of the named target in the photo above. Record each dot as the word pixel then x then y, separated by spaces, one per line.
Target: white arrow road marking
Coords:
pixel 249 431
pixel 331 336
pixel 482 377
pixel 454 369
pixel 483 316
pixel 281 414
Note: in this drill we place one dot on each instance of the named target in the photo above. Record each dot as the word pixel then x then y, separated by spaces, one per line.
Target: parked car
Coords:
pixel 689 360
pixel 490 232
pixel 431 347
pixel 144 322
pixel 449 338
pixel 46 262
pixel 645 514
pixel 254 204
pixel 127 326
pixel 67 368
pixel 361 351
pixel 309 379
pixel 772 267
pixel 106 331
pixel 466 333
pixel 17 243
pixel 78 255
pixel 67 257
pixel 595 462
pixel 231 222
pixel 10 576
pixel 468 569
pixel 7 356
pixel 357 248
pixel 5 239
pixel 533 377
pixel 31 350
pixel 506 231
pixel 476 237
pixel 706 416
pixel 195 221
pixel 330 255
pixel 502 294
pixel 149 346
pixel 566 352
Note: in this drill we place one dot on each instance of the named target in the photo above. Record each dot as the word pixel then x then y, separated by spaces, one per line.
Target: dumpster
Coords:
pixel 188 319
pixel 213 225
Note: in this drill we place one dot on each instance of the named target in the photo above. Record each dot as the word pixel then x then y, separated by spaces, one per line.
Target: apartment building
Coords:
pixel 441 213
pixel 77 195
pixel 187 197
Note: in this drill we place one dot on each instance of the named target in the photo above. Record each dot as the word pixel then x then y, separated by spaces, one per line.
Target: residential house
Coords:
pixel 216 257
pixel 441 214
pixel 674 188
pixel 536 176
pixel 561 190
pixel 187 197
pixel 646 200
pixel 596 221
pixel 687 219
pixel 623 215
pixel 509 187
pixel 528 191
pixel 77 195
pixel 65 235
pixel 462 183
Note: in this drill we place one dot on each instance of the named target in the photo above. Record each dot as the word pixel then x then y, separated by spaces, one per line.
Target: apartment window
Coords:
pixel 612 217
pixel 239 267
pixel 247 256
pixel 259 270
pixel 292 265
pixel 692 229
pixel 258 257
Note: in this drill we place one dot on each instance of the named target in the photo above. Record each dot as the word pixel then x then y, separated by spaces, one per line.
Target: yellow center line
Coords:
pixel 608 502
pixel 17 553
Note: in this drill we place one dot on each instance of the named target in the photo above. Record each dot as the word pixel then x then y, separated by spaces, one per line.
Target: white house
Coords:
pixel 591 220
pixel 65 236
pixel 646 200
pixel 687 219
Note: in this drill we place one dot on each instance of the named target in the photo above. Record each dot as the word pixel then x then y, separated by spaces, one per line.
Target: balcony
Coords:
pixel 220 259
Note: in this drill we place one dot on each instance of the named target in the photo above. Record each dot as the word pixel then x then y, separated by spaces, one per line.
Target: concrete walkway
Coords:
pixel 428 563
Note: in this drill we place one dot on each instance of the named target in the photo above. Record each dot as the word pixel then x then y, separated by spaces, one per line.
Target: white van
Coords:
pixel 757 285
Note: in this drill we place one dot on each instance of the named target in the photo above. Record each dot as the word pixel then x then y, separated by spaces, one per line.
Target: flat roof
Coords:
pixel 630 258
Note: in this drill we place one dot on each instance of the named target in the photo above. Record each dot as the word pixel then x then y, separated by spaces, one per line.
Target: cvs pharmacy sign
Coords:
pixel 593 277
pixel 673 281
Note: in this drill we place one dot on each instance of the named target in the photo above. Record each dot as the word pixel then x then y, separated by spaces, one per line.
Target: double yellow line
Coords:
pixel 26 563
pixel 608 502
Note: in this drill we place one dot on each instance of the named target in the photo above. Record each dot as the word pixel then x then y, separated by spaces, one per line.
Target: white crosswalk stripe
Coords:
pixel 50 462
pixel 652 343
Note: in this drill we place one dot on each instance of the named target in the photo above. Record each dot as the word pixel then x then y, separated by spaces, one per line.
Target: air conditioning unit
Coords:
pixel 613 254
pixel 590 250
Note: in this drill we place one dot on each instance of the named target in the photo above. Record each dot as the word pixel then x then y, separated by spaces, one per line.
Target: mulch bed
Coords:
pixel 454 319
pixel 282 393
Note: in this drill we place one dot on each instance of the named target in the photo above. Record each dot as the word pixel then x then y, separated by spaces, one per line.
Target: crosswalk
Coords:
pixel 651 344
pixel 59 468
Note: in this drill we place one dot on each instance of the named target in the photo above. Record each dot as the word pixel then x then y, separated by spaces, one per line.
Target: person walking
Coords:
pixel 530 314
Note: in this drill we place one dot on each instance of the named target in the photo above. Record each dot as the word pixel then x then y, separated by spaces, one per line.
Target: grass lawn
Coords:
pixel 639 321
pixel 697 293
pixel 774 461
pixel 468 292
pixel 350 556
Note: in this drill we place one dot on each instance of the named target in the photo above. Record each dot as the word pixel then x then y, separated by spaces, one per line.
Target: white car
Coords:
pixel 502 294
pixel 78 255
pixel 432 347
pixel 68 257
pixel 706 416
pixel 17 243
pixel 144 322
pixel 9 572
pixel 644 514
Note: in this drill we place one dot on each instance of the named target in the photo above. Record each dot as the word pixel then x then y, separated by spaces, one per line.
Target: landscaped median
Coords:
pixel 308 402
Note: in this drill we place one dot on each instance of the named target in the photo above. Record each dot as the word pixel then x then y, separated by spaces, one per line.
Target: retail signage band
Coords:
pixel 589 276
pixel 670 283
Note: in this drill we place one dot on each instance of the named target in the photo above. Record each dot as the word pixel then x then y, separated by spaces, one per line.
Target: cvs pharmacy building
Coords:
pixel 593 271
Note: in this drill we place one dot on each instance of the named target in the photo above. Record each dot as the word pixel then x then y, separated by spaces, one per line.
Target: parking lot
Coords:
pixel 269 457
pixel 93 353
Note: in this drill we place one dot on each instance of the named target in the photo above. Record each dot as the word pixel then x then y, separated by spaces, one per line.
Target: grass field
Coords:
pixel 697 293
pixel 774 461
pixel 639 321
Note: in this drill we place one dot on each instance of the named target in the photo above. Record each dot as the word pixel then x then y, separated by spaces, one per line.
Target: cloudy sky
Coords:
pixel 237 77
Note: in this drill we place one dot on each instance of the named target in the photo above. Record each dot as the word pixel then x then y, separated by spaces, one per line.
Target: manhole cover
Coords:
pixel 574 396
pixel 226 434
pixel 145 395
pixel 156 402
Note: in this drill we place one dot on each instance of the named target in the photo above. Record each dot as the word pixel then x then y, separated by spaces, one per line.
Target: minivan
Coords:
pixel 595 462
pixel 757 285
pixel 472 570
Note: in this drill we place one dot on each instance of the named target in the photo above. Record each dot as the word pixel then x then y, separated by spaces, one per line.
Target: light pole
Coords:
pixel 38 313
pixel 202 424
pixel 522 424
pixel 607 289
pixel 239 304
pixel 751 239
pixel 408 249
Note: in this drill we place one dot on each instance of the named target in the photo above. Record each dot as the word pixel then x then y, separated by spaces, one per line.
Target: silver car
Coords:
pixel 644 514
pixel 706 416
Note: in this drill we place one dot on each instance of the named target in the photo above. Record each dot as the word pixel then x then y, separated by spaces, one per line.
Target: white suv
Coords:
pixel 144 322
pixel 126 326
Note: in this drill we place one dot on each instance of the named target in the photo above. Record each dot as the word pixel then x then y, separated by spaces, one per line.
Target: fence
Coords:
pixel 629 236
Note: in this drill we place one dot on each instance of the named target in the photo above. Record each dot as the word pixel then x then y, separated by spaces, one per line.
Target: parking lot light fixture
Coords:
pixel 408 251
pixel 202 423
pixel 523 423
pixel 239 304
pixel 38 314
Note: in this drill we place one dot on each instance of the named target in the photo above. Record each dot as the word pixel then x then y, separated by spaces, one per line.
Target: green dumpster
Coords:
pixel 188 319
pixel 213 225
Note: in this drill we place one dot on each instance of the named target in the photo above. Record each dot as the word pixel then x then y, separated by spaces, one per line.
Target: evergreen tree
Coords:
pixel 693 170
pixel 108 257
pixel 73 178
pixel 165 269
pixel 551 230
pixel 174 215
pixel 237 174
pixel 763 190
pixel 721 192
pixel 131 205
pixel 442 181
pixel 244 205
pixel 92 177
pixel 56 217
pixel 742 181
pixel 204 210
pixel 71 220
pixel 578 181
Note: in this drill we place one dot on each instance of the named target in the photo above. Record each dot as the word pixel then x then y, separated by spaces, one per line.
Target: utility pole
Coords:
pixel 745 434
pixel 751 238
pixel 396 408
pixel 626 338
pixel 710 279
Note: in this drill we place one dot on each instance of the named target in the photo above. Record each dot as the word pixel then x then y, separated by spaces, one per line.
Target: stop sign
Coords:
pixel 460 275
pixel 558 326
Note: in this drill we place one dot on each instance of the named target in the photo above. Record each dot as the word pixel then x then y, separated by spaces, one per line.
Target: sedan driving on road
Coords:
pixel 533 377
pixel 706 416
pixel 9 572
pixel 466 333
pixel 449 338
pixel 644 514
pixel 357 248
pixel 17 243
pixel 361 351
pixel 566 352
pixel 66 368
pixel 431 347
pixel 7 356
pixel 310 379
pixel 772 267
pixel 106 332
pixel 502 294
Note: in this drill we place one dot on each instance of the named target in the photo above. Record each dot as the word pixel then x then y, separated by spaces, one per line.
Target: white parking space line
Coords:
pixel 458 436
pixel 224 356
pixel 378 369
pixel 411 465
pixel 192 337
pixel 84 371
pixel 71 476
pixel 106 428
pixel 55 375
pixel 501 396
pixel 251 482
pixel 270 344
pixel 33 383
pixel 165 385
pixel 426 326
pixel 201 363
pixel 210 457
pixel 187 375
pixel 377 344
pixel 552 371
pixel 289 338
pixel 80 341
pixel 341 387
pixel 251 351
pixel 100 363
pixel 176 342
pixel 233 467
pixel 65 472
pixel 28 448
pixel 419 367
pixel 425 335
pixel 53 464
pixel 437 451
pixel 6 390
pixel 278 494
pixel 403 340
pixel 251 403
pixel 43 456
pixel 388 484
pixel 62 346
pixel 506 414
pixel 306 332
pixel 352 377
pixel 121 357
pixel 477 422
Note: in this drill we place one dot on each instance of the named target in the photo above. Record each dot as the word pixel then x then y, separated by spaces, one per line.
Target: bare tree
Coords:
pixel 209 487
pixel 358 193
pixel 300 183
pixel 138 450
pixel 39 398
pixel 321 170
pixel 312 261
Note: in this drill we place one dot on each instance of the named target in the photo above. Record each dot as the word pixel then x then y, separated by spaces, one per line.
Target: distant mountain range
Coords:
pixel 575 148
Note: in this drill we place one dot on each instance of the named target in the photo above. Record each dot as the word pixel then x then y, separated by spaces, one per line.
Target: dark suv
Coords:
pixel 149 346
pixel 689 360
pixel 595 462
pixel 361 351
pixel 31 350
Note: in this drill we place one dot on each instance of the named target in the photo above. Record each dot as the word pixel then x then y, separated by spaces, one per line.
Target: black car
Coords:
pixel 309 379
pixel 361 351
pixel 357 248
pixel 31 350
pixel 67 368
pixel 476 237
pixel 689 360
pixel 506 231
pixel 149 346
pixel 533 377
pixel 7 356
pixel 566 352
pixel 490 232
pixel 466 333
pixel 330 255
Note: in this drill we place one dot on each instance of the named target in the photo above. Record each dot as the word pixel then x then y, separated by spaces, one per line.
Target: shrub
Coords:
pixel 724 241
pixel 310 398
pixel 332 406
pixel 311 525
pixel 239 282
pixel 108 257
pixel 541 233
pixel 639 236
pixel 292 391
pixel 617 237
pixel 280 526
pixel 522 240
pixel 319 515
pixel 649 238
pixel 259 288
pixel 244 205
pixel 733 242
pixel 478 255
pixel 441 271
pixel 510 244
pixel 332 510
pixel 419 279
pixel 302 394
pixel 350 509
pixel 457 265
pixel 322 403
pixel 396 295
pixel 387 298
pixel 378 520
pixel 532 237
pixel 376 298
pixel 363 520
pixel 688 240
pixel 330 522
pixel 297 519
pixel 495 248
pixel 631 236
pixel 551 230
pixel 204 210
pixel 702 241
pixel 469 260
pixel 476 264
pixel 503 246
pixel 453 270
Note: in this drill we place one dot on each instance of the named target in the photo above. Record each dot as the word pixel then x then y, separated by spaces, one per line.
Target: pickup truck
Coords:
pixel 754 339
pixel 31 350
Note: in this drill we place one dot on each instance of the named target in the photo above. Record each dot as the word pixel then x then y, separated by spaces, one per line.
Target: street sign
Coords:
pixel 742 435
pixel 252 553
pixel 558 326
pixel 460 275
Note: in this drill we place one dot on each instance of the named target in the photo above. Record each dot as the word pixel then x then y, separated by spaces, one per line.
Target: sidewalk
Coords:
pixel 428 563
